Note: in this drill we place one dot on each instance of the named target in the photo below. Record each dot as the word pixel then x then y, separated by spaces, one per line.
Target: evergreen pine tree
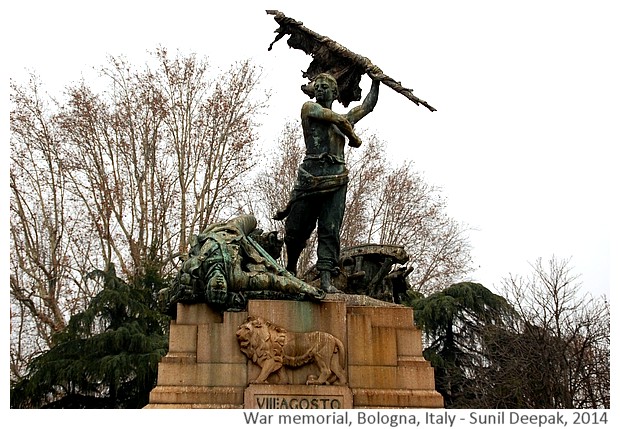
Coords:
pixel 454 321
pixel 107 356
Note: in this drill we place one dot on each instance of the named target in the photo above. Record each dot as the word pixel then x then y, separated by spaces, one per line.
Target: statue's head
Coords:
pixel 324 83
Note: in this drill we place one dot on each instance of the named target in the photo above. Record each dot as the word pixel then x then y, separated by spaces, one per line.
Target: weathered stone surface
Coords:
pixel 195 314
pixel 303 316
pixel 359 333
pixel 392 377
pixel 197 395
pixel 298 397
pixel 180 358
pixel 380 351
pixel 205 367
pixel 391 317
pixel 214 374
pixel 409 342
pixel 359 300
pixel 195 406
pixel 217 342
pixel 182 338
pixel 396 398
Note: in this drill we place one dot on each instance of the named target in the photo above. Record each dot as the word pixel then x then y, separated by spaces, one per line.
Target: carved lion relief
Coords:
pixel 273 348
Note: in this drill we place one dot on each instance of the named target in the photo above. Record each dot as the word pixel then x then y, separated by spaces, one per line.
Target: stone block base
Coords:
pixel 196 397
pixel 291 396
pixel 397 398
pixel 384 368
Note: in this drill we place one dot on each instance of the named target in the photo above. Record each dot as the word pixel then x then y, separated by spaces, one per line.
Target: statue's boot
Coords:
pixel 326 282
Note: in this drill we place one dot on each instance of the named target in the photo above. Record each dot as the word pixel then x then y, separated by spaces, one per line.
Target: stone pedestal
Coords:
pixel 204 367
pixel 296 396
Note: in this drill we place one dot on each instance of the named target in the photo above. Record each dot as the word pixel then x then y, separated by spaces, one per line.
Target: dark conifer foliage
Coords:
pixel 108 354
pixel 547 348
pixel 454 321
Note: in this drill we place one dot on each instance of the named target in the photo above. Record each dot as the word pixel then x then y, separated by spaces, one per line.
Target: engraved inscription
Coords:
pixel 298 402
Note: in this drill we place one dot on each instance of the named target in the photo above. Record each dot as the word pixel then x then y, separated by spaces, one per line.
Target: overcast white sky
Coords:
pixel 523 143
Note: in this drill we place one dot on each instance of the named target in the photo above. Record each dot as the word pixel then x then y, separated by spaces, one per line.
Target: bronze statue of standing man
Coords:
pixel 319 193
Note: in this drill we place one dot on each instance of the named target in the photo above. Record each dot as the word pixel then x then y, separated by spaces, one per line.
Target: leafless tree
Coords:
pixel 122 175
pixel 275 182
pixel 410 212
pixel 161 155
pixel 211 128
pixel 45 265
pixel 385 205
pixel 557 356
pixel 367 171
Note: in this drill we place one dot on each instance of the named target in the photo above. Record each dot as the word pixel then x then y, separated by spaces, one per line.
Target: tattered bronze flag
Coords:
pixel 333 58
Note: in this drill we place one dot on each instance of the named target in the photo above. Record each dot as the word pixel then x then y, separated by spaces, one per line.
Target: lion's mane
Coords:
pixel 271 347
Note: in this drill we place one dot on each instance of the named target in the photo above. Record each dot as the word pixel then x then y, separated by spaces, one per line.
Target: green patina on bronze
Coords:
pixel 318 196
pixel 226 266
